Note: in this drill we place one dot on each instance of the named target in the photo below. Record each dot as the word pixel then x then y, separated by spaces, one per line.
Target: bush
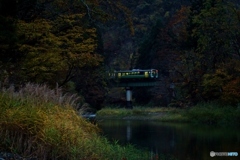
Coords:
pixel 44 128
pixel 38 123
pixel 231 92
pixel 214 114
pixel 212 84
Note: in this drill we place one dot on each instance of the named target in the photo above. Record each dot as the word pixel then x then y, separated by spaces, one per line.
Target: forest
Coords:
pixel 72 44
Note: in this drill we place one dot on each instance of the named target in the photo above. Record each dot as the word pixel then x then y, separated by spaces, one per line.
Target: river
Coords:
pixel 183 141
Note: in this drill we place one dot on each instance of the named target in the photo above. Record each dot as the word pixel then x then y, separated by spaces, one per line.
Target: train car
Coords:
pixel 137 74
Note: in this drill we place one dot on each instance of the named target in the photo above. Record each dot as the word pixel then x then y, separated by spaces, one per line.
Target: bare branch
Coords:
pixel 88 9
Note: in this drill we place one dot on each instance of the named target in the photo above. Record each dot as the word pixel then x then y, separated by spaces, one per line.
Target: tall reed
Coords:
pixel 41 93
pixel 48 128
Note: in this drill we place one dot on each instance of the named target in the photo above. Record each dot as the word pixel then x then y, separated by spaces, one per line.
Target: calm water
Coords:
pixel 184 141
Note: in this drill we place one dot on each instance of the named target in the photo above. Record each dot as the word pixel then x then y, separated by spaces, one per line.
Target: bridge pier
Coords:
pixel 129 98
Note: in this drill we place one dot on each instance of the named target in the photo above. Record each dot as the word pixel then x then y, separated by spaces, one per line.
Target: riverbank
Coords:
pixel 205 113
pixel 185 141
pixel 38 123
pixel 143 113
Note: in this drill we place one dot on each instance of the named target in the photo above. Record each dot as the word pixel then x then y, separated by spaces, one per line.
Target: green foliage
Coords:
pixel 213 83
pixel 55 38
pixel 163 114
pixel 50 51
pixel 216 31
pixel 55 41
pixel 231 92
pixel 114 112
pixel 223 84
pixel 209 50
pixel 50 130
pixel 213 113
pixel 47 128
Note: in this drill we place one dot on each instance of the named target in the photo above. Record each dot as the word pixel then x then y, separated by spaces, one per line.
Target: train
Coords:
pixel 135 74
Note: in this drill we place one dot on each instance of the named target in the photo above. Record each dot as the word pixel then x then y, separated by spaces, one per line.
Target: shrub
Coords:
pixel 41 129
pixel 212 84
pixel 49 128
pixel 231 92
pixel 214 114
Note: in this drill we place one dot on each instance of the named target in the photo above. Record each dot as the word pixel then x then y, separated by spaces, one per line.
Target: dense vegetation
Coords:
pixel 194 45
pixel 55 42
pixel 210 113
pixel 39 123
pixel 197 52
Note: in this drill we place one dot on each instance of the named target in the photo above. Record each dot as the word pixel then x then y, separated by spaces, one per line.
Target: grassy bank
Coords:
pixel 204 113
pixel 214 114
pixel 165 114
pixel 41 123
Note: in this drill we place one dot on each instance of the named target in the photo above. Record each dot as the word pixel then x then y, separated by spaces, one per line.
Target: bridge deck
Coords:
pixel 136 84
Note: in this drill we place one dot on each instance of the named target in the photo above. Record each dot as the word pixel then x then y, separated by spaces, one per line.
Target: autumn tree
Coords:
pixel 213 38
pixel 68 22
pixel 217 27
pixel 55 41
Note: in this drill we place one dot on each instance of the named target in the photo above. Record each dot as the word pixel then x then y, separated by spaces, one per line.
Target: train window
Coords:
pixel 146 74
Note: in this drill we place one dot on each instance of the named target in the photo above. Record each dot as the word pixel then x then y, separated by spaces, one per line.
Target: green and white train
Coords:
pixel 135 74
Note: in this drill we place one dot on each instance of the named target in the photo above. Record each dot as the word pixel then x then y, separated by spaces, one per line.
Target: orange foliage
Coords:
pixel 231 92
pixel 178 23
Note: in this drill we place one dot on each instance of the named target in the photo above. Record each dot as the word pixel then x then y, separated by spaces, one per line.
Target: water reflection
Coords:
pixel 129 131
pixel 181 140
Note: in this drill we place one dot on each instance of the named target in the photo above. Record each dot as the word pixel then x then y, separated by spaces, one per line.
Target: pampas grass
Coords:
pixel 37 122
pixel 41 93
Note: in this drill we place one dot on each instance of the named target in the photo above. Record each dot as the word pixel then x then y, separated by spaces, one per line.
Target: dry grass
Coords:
pixel 39 94
pixel 39 122
pixel 45 127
